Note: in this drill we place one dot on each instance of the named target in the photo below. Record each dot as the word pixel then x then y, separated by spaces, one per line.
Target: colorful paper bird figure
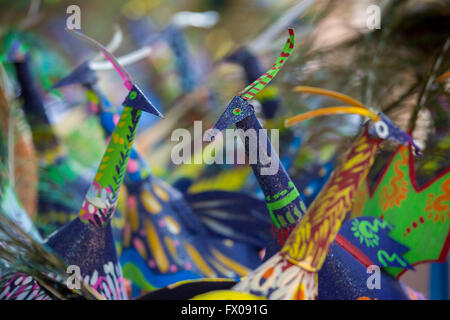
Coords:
pixel 87 241
pixel 282 197
pixel 62 181
pixel 292 272
pixel 171 237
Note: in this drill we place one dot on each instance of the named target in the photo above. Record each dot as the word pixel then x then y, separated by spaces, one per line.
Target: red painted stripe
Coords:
pixel 286 233
pixel 354 251
pixel 280 237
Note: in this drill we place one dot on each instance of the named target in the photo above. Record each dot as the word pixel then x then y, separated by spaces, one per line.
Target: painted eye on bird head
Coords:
pixel 136 99
pixel 237 110
pixel 385 129
pixel 380 125
pixel 381 129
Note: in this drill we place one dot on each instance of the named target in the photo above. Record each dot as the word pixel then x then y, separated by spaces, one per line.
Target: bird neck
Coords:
pixel 137 168
pixel 283 199
pixel 308 243
pixel 44 138
pixel 101 200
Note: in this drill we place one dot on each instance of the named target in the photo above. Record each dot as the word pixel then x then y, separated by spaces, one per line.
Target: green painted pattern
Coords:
pixel 237 111
pixel 278 204
pixel 111 171
pixel 112 168
pixel 383 256
pixel 252 89
pixel 366 232
pixel 420 218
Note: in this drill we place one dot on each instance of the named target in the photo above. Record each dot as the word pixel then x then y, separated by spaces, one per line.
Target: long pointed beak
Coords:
pixel 330 111
pixel 127 79
pixel 80 75
pixel 137 99
pixel 329 93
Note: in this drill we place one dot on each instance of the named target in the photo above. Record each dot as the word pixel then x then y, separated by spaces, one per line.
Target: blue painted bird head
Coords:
pixel 135 98
pixel 237 110
pixel 379 125
pixel 385 129
pixel 82 74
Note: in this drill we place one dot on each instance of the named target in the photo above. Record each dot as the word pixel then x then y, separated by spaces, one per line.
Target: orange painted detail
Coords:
pixel 438 208
pixel 300 293
pixel 365 298
pixel 268 273
pixel 397 185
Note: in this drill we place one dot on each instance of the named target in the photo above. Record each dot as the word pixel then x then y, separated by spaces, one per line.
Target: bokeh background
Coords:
pixel 387 69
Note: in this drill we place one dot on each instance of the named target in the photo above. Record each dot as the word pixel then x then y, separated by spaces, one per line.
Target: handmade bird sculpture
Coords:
pixel 164 238
pixel 292 272
pixel 62 181
pixel 282 197
pixel 239 178
pixel 87 241
pixel 360 243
